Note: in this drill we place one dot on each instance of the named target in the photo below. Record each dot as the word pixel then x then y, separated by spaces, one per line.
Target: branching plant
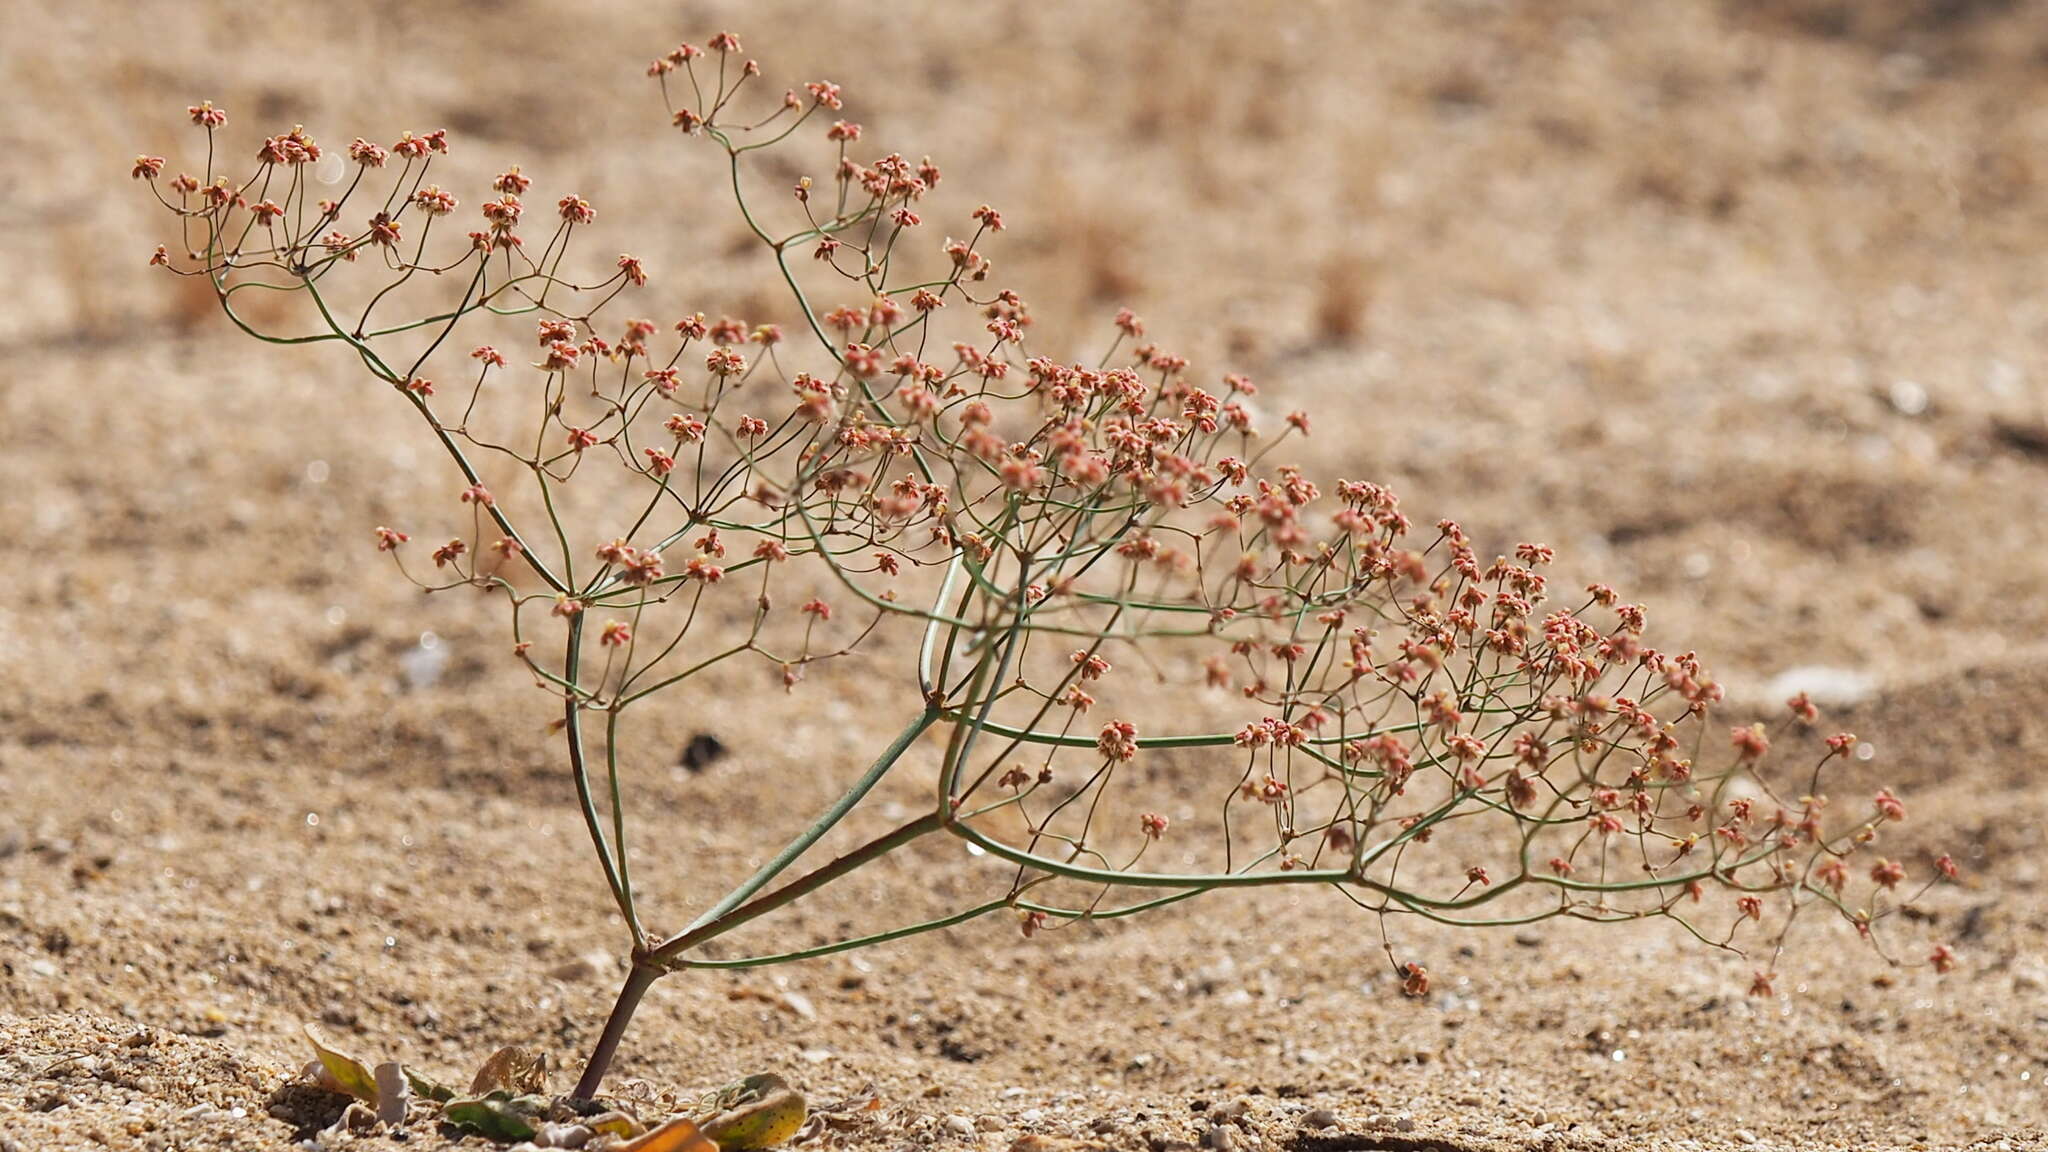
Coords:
pixel 1154 659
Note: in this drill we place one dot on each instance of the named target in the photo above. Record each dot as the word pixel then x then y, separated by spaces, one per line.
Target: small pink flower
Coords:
pixel 575 209
pixel 1119 740
pixel 1751 742
pixel 1414 980
pixel 724 362
pixel 1092 667
pixel 434 201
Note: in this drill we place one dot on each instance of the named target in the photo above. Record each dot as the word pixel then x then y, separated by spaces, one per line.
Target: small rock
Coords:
pixel 1034 1142
pixel 1827 685
pixel 960 1126
pixel 989 1124
pixel 1220 1138
pixel 1745 1135
pixel 1319 1118
pixel 582 969
pixel 701 752
pixel 1404 1124
pixel 564 1135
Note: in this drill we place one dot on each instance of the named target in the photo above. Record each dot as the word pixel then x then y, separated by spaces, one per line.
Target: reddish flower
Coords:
pixel 575 209
pixel 1118 741
pixel 1751 742
pixel 1414 980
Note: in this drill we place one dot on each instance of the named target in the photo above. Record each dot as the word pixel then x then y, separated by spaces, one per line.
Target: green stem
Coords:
pixel 796 889
pixel 579 768
pixel 825 822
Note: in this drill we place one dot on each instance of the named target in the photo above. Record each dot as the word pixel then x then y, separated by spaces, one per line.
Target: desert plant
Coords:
pixel 1108 564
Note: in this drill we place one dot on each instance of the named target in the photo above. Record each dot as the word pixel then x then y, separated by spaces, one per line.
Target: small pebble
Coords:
pixel 960 1126
pixel 1319 1118
pixel 582 969
pixel 1220 1138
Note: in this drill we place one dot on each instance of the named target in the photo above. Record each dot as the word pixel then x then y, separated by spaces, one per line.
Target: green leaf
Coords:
pixel 347 1073
pixel 498 1115
pixel 618 1124
pixel 426 1088
pixel 763 1111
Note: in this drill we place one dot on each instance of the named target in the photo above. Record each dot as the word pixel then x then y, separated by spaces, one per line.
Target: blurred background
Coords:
pixel 1739 305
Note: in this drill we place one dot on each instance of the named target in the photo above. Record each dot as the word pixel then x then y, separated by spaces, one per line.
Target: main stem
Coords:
pixel 637 983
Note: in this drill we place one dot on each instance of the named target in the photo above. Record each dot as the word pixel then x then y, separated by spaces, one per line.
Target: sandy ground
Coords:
pixel 1739 305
